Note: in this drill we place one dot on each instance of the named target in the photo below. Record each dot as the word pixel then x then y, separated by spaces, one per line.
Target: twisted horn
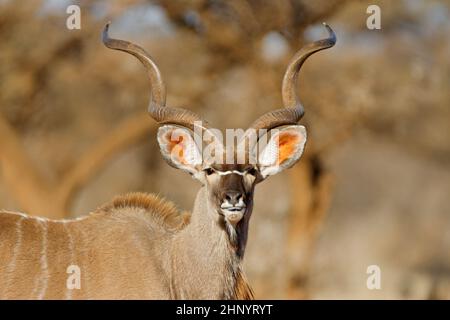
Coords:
pixel 157 106
pixel 293 109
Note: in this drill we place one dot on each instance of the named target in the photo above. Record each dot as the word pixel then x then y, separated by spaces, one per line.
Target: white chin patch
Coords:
pixel 233 217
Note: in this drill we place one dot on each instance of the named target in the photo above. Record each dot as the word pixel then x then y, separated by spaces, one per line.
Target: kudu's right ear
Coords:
pixel 179 148
pixel 283 150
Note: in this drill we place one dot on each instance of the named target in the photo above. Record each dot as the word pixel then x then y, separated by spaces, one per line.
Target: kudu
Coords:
pixel 141 246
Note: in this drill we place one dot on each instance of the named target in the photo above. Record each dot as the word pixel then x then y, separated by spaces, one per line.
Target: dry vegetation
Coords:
pixel 372 187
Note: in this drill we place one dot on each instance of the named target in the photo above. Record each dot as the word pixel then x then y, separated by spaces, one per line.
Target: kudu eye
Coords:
pixel 209 171
pixel 252 171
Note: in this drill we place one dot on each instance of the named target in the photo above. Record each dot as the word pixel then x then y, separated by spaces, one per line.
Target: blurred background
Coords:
pixel 372 188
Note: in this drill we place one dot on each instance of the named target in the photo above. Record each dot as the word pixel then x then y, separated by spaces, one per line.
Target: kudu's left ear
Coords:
pixel 282 151
pixel 179 149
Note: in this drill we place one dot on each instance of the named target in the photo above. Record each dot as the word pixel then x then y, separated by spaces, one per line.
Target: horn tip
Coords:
pixel 105 36
pixel 332 35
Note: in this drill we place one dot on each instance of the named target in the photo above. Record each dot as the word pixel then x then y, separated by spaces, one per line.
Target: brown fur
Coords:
pixel 242 290
pixel 162 211
pixel 35 253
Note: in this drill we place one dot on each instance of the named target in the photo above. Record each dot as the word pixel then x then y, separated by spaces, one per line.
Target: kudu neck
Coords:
pixel 204 250
pixel 208 224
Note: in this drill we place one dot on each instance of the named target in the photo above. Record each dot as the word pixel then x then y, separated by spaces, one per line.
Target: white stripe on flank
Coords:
pixel 224 173
pixel 12 263
pixel 42 279
pixel 85 264
pixel 44 219
pixel 23 215
pixel 72 258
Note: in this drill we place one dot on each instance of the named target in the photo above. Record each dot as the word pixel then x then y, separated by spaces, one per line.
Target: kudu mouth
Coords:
pixel 233 201
pixel 233 213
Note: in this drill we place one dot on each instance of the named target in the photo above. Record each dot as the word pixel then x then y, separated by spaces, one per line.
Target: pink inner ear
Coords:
pixel 287 145
pixel 175 146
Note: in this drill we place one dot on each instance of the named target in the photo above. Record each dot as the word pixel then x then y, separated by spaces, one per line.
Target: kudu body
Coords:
pixel 140 246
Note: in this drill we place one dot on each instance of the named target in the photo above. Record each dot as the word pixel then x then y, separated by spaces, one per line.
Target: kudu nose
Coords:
pixel 233 197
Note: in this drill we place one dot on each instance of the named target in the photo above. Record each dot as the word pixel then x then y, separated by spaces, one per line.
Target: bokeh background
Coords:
pixel 372 188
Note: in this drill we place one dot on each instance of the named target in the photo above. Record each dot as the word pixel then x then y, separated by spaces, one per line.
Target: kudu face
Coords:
pixel 229 184
pixel 230 189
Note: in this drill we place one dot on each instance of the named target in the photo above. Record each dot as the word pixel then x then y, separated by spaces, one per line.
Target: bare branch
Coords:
pixel 30 189
pixel 124 135
pixel 25 182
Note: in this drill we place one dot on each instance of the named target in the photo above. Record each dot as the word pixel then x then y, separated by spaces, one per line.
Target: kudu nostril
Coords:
pixel 233 197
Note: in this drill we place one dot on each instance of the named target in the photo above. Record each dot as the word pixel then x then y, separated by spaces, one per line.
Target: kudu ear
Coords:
pixel 179 149
pixel 283 149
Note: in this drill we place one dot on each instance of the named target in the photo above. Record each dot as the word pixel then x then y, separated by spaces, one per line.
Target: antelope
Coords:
pixel 140 246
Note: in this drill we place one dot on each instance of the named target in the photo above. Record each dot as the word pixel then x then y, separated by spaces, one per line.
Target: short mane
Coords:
pixel 164 211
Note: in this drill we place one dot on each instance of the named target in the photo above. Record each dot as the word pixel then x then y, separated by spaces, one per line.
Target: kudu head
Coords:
pixel 229 173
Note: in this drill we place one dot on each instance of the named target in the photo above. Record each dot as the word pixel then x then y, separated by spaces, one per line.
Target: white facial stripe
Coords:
pixel 224 173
